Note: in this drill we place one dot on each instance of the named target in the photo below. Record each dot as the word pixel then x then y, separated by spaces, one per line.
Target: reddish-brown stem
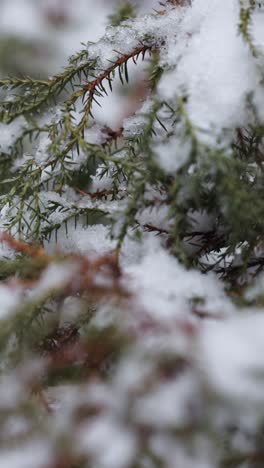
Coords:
pixel 21 247
pixel 92 86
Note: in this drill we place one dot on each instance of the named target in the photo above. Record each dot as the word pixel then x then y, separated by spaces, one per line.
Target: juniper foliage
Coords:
pixel 142 321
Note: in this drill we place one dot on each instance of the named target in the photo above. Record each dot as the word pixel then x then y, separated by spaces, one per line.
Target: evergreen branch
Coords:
pixel 245 21
pixel 96 87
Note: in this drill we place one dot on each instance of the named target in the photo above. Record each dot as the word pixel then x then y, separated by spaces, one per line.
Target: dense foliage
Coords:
pixel 131 327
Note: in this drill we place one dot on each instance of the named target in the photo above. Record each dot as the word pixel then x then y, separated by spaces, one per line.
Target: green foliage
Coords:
pixel 74 312
pixel 226 185
pixel 245 20
pixel 124 11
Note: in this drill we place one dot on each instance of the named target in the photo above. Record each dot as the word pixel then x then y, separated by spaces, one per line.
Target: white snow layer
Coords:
pixel 165 289
pixel 210 63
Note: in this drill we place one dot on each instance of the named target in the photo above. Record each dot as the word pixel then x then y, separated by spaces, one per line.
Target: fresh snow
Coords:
pixel 194 361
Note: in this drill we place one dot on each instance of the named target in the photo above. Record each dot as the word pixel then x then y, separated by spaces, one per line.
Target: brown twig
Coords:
pixel 96 86
pixel 21 247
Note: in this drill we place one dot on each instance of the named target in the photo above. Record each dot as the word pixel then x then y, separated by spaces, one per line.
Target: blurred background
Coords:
pixel 38 36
